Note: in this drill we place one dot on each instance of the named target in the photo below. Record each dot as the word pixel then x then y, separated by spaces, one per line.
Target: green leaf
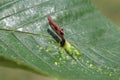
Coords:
pixel 25 42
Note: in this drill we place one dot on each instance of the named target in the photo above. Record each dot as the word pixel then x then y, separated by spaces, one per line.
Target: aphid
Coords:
pixel 71 50
pixel 59 31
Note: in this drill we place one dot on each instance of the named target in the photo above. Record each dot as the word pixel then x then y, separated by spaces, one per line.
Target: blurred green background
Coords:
pixel 109 8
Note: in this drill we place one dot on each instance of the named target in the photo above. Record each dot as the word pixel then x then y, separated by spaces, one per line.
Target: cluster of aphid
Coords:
pixel 71 50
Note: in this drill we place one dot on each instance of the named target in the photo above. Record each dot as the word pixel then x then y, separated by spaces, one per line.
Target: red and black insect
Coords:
pixel 58 30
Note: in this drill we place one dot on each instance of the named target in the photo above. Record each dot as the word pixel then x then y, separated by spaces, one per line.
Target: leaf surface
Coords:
pixel 25 42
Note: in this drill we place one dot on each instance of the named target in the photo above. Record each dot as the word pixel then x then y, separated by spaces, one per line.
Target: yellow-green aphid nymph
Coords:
pixel 71 50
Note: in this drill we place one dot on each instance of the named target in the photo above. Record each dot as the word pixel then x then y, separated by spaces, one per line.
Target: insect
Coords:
pixel 59 31
pixel 71 50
